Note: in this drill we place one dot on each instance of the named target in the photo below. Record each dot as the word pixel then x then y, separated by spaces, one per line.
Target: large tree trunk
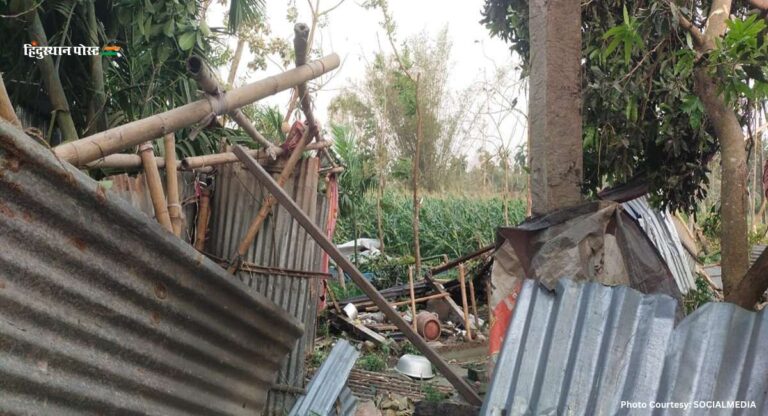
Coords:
pixel 733 208
pixel 733 194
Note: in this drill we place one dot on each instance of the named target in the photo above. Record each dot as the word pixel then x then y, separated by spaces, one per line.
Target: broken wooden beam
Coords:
pixel 463 259
pixel 91 148
pixel 464 389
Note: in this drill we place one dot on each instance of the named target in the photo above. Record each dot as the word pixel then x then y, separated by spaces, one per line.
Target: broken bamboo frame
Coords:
pixel 201 229
pixel 405 302
pixel 172 183
pixel 196 162
pixel 6 107
pixel 200 72
pixel 99 145
pixel 155 185
pixel 322 240
pixel 300 45
pixel 463 259
pixel 467 324
pixel 413 297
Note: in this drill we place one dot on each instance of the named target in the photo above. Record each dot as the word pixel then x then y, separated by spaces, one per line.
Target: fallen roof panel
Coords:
pixel 328 382
pixel 106 312
pixel 586 348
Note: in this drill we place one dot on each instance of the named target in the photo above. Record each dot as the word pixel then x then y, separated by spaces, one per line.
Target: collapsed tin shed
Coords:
pixel 106 311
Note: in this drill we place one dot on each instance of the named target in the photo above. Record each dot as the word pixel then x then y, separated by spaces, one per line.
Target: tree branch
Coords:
pixel 759 4
pixel 696 34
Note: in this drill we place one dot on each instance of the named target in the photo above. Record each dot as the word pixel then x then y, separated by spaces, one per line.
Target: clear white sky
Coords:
pixel 355 34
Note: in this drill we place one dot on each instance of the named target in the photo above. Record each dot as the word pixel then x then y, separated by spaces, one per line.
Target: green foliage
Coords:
pixel 350 290
pixel 372 362
pixel 432 394
pixel 450 224
pixel 317 358
pixel 699 296
pixel 641 114
pixel 358 176
pixel 244 12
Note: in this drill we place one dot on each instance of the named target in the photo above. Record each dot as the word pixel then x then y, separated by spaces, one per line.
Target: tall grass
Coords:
pixel 451 225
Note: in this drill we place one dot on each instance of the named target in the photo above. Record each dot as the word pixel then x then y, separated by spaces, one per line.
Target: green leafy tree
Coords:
pixel 666 84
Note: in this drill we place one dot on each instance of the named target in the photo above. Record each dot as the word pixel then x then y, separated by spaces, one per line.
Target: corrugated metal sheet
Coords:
pixel 580 352
pixel 280 243
pixel 586 348
pixel 329 381
pixel 134 190
pixel 716 273
pixel 660 229
pixel 718 353
pixel 104 312
pixel 346 404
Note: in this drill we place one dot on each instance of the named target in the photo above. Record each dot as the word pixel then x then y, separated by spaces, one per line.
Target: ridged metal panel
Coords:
pixel 280 243
pixel 581 351
pixel 718 353
pixel 105 312
pixel 346 404
pixel 660 229
pixel 328 382
pixel 586 348
pixel 134 190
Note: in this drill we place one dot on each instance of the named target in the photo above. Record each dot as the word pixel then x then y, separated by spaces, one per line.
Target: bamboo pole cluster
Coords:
pixel 91 148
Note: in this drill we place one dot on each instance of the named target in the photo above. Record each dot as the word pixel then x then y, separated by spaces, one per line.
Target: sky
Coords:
pixel 355 34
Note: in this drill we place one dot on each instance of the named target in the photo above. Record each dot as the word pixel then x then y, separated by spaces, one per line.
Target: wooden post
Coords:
pixel 464 389
pixel 413 296
pixel 172 183
pixel 204 210
pixel 155 185
pixel 555 105
pixel 342 279
pixel 473 301
pixel 88 149
pixel 465 308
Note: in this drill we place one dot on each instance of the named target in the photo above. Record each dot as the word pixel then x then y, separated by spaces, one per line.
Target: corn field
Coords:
pixel 451 225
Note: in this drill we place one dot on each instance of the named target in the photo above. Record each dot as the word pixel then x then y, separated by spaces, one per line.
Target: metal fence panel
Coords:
pixel 105 312
pixel 281 243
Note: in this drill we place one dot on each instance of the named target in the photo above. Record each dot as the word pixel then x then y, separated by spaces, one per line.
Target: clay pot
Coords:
pixel 428 325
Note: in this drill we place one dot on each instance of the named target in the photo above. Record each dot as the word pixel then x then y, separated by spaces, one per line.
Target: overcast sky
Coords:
pixel 355 34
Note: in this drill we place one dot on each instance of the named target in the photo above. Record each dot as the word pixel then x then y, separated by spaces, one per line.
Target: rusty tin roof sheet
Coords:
pixel 105 312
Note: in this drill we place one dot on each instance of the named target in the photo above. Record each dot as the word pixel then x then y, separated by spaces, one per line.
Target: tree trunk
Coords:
pixel 415 178
pixel 6 107
pixel 236 62
pixel 733 234
pixel 96 118
pixel 51 79
pixel 754 284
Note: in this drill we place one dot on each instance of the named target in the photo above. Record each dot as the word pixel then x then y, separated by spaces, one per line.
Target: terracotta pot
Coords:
pixel 428 325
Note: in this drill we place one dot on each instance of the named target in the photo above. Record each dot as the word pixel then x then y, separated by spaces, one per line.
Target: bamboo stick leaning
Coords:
pixel 111 141
pixel 464 389
pixel 300 45
pixel 467 324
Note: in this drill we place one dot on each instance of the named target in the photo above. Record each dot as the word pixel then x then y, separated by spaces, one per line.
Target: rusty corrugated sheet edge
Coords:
pixel 329 381
pixel 106 312
pixel 660 229
pixel 586 348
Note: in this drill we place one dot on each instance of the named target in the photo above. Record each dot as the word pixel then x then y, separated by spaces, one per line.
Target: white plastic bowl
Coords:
pixel 415 366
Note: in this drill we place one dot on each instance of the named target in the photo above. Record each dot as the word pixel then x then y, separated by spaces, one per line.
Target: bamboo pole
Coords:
pixel 260 155
pixel 301 32
pixel 204 77
pixel 342 279
pixel 464 389
pixel 155 185
pixel 93 147
pixel 202 219
pixel 6 107
pixel 172 183
pixel 473 302
pixel 51 79
pixel 413 296
pixel 465 309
